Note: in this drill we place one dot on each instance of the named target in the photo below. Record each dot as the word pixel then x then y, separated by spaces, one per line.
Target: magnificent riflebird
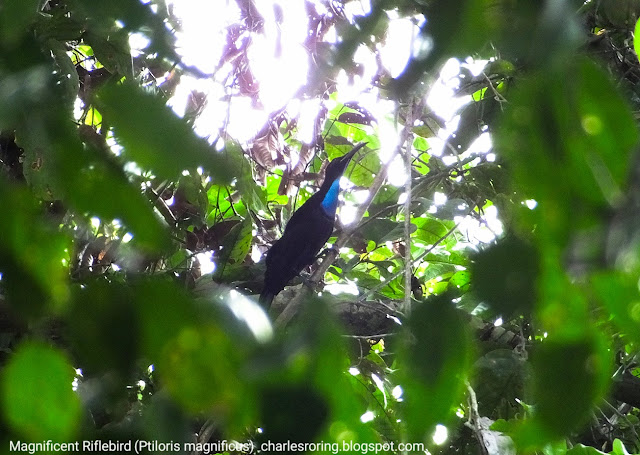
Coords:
pixel 306 232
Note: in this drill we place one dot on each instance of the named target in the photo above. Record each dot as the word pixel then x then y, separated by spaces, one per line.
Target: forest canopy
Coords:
pixel 480 290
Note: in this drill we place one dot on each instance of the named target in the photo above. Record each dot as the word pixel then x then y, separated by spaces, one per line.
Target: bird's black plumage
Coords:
pixel 306 232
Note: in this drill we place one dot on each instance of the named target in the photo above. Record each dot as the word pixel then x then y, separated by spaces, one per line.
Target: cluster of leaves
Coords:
pixel 104 213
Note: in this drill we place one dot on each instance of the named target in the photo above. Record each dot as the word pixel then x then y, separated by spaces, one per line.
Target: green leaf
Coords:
pixel 191 191
pixel 320 358
pixel 219 200
pixel 296 413
pixel 236 246
pixel 57 165
pixel 15 17
pixel 451 209
pixel 31 254
pixel 568 118
pixel 200 371
pixel 571 372
pixel 254 196
pixel 104 328
pixel 420 205
pixel 393 289
pixel 112 51
pixel 93 184
pixel 25 94
pixel 66 74
pixel 437 359
pixel 37 398
pixel 383 230
pixel 447 257
pixel 165 421
pixel 505 276
pixel 555 448
pixel 198 351
pixel 134 17
pixel 580 449
pixel 619 448
pixel 364 167
pixel 178 260
pixel 365 280
pixel 425 131
pixel 465 27
pixel 435 270
pixel 431 230
pixel 383 267
pixel 38 167
pixel 479 95
pixel 461 279
pixel 163 311
pixel 619 293
pixel 57 25
pixel 154 137
pixel 501 377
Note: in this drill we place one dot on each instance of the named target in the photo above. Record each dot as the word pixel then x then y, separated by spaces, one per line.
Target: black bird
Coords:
pixel 306 232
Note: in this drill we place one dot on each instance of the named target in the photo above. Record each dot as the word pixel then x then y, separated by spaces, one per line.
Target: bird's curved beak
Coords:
pixel 353 151
pixel 339 164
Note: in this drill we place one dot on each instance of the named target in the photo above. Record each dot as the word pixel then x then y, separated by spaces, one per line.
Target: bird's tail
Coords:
pixel 266 298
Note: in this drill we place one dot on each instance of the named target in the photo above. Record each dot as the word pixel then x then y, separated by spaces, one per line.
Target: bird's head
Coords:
pixel 336 167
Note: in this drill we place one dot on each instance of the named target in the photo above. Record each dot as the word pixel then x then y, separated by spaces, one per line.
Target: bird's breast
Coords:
pixel 329 203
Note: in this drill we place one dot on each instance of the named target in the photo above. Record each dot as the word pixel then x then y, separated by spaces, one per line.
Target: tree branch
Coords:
pixel 413 112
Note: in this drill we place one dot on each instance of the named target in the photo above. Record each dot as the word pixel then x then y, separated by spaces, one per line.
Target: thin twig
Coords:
pixel 474 418
pixel 408 141
pixel 497 95
pixel 161 206
pixel 370 337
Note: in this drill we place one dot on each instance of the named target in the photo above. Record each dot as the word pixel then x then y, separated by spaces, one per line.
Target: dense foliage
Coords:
pixel 109 200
